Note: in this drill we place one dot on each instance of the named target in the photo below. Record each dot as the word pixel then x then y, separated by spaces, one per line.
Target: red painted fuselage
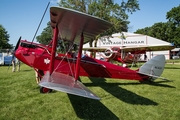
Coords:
pixel 39 56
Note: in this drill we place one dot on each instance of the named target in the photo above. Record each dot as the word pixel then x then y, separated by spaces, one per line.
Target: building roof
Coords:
pixel 176 49
pixel 125 40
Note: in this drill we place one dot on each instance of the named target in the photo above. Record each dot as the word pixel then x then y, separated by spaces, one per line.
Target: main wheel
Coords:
pixel 45 90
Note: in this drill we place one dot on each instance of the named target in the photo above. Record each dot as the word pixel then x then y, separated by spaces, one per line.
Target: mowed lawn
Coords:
pixel 20 98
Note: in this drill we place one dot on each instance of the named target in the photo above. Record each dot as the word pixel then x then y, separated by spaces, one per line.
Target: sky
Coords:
pixel 22 17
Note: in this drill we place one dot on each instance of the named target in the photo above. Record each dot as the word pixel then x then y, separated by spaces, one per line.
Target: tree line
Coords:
pixel 168 31
pixel 115 13
pixel 4 39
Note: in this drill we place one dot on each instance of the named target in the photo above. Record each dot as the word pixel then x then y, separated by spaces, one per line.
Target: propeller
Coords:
pixel 108 53
pixel 17 45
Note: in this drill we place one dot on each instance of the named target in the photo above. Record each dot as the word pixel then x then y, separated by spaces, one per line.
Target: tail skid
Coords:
pixel 154 67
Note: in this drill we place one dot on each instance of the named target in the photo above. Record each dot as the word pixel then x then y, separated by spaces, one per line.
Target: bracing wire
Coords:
pixel 41 21
pixel 39 24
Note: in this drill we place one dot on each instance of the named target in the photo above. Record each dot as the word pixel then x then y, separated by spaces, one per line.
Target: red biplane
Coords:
pixel 71 29
pixel 126 47
pixel 125 54
pixel 116 54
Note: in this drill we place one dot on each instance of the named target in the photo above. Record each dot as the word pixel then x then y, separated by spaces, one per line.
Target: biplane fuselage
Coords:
pixel 39 56
pixel 116 54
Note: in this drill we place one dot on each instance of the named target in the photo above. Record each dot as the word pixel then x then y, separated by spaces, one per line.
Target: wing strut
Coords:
pixel 53 53
pixel 79 57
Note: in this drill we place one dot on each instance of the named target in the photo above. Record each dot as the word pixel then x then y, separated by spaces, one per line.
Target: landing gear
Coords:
pixel 45 90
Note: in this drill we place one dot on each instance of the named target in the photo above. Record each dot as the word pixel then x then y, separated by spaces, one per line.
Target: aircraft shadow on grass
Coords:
pixel 121 93
pixel 158 84
pixel 87 108
pixel 26 70
pixel 101 82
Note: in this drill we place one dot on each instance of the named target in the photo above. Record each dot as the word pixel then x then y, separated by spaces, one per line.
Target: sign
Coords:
pixel 120 41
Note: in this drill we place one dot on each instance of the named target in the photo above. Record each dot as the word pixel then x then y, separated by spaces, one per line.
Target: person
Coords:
pixel 84 55
pixel 8 51
pixel 145 57
pixel 18 65
pixel 152 54
pixel 125 65
pixel 38 75
pixel 13 64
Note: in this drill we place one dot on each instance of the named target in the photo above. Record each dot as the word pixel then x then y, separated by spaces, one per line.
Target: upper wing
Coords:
pixel 72 23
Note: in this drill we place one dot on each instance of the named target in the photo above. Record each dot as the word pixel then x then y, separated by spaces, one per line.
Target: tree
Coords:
pixel 104 9
pixel 173 17
pixel 46 35
pixel 4 39
pixel 158 30
pixel 107 10
pixel 168 31
pixel 143 30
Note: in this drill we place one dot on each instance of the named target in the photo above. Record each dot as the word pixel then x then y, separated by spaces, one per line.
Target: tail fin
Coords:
pixel 154 67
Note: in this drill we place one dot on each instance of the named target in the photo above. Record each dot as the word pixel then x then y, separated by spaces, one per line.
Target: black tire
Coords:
pixel 45 90
pixel 148 81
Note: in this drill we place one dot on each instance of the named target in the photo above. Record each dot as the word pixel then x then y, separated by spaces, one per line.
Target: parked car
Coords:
pixel 7 60
pixel 175 57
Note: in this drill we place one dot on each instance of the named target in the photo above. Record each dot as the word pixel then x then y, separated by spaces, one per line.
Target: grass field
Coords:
pixel 120 99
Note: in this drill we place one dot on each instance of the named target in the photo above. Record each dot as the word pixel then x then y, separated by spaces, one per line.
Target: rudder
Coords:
pixel 154 67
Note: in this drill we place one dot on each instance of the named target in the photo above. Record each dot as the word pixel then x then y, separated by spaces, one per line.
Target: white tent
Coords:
pixel 175 50
pixel 126 39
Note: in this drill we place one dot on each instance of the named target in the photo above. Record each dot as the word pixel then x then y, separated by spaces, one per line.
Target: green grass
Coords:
pixel 120 99
pixel 173 61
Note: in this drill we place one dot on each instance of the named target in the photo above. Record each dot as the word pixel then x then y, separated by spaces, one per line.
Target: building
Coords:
pixel 153 46
pixel 175 53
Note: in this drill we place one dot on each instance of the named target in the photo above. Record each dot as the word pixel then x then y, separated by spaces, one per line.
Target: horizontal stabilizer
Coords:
pixel 155 77
pixel 65 83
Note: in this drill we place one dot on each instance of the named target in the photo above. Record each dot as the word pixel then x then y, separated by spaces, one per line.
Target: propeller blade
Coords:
pixel 17 45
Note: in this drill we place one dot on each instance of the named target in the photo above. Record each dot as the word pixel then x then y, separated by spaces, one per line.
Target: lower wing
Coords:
pixel 65 83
